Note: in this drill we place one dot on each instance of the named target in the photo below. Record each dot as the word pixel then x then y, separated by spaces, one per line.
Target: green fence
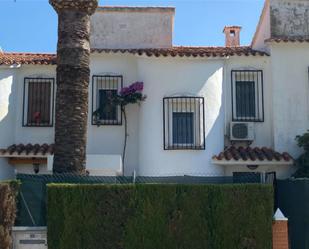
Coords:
pixel 293 200
pixel 32 198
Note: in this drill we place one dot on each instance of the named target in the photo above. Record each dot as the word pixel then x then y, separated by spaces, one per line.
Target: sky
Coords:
pixel 31 25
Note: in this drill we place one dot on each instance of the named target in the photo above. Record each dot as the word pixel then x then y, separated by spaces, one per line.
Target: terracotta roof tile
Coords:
pixel 188 51
pixel 27 58
pixel 51 59
pixel 27 150
pixel 287 39
pixel 252 154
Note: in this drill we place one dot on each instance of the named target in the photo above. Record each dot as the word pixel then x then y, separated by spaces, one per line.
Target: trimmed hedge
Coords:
pixel 160 216
pixel 8 194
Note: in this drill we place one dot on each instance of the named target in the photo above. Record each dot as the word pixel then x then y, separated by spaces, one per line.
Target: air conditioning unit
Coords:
pixel 241 131
pixel 29 237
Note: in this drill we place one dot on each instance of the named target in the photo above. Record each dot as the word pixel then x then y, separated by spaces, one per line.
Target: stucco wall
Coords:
pixel 263 29
pixel 289 18
pixel 263 130
pixel 286 92
pixel 165 77
pixel 110 139
pixel 7 116
pixel 289 64
pixel 31 134
pixel 132 28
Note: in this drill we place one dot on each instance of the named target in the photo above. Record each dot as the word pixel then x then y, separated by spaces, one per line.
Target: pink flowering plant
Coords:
pixel 132 94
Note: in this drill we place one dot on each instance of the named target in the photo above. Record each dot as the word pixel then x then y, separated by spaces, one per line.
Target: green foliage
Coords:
pixel 303 160
pixel 160 216
pixel 8 194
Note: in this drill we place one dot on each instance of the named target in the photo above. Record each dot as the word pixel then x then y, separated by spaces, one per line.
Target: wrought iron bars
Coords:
pixel 38 102
pixel 184 123
pixel 247 95
pixel 104 88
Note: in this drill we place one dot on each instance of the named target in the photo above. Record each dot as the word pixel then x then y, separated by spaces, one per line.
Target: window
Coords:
pixel 247 95
pixel 38 102
pixel 247 177
pixel 184 124
pixel 104 88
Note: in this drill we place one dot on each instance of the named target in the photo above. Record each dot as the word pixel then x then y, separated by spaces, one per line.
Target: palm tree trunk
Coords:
pixel 73 73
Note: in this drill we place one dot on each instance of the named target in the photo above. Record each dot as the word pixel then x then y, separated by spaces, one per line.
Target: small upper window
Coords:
pixel 38 102
pixel 184 123
pixel 106 112
pixel 247 95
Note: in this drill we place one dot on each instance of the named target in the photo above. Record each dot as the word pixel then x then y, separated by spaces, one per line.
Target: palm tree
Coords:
pixel 73 57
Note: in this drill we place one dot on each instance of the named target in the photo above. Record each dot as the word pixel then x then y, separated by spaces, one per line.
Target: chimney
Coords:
pixel 232 36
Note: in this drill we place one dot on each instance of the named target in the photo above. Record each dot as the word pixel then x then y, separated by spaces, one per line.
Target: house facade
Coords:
pixel 210 111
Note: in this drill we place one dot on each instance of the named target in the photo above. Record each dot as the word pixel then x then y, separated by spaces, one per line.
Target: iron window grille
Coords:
pixel 184 123
pixel 104 87
pixel 38 102
pixel 247 95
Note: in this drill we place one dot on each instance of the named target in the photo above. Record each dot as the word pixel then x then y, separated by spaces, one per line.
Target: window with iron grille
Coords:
pixel 38 102
pixel 247 95
pixel 104 88
pixel 184 123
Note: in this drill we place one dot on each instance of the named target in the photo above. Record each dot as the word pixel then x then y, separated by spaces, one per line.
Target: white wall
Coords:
pixel 263 29
pixel 165 77
pixel 110 139
pixel 26 135
pixel 7 116
pixel 289 64
pixel 263 130
pixel 285 98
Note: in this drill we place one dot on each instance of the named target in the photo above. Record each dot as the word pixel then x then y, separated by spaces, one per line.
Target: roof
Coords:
pixel 188 51
pixel 29 150
pixel 50 59
pixel 255 155
pixel 287 39
pixel 27 58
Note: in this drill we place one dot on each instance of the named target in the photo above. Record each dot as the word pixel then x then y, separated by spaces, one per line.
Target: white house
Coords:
pixel 210 111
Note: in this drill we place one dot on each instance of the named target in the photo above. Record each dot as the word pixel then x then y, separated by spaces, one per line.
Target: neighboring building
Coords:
pixel 210 111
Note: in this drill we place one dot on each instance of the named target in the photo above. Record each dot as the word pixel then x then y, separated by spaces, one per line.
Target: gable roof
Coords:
pixel 51 59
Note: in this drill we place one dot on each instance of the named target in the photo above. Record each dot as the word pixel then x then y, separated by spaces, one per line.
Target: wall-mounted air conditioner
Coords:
pixel 241 131
pixel 29 237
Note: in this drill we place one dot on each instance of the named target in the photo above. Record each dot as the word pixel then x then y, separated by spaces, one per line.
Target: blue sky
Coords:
pixel 31 25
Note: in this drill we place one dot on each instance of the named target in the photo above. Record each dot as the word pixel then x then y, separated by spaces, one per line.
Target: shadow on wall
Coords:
pixel 7 119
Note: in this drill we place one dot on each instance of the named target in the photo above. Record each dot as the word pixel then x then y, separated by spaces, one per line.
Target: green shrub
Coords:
pixel 303 160
pixel 160 216
pixel 8 194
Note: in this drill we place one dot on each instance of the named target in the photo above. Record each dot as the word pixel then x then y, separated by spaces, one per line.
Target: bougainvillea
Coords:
pixel 132 94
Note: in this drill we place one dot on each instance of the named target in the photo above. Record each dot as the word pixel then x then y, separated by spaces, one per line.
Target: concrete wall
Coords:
pixel 125 27
pixel 289 66
pixel 166 77
pixel 289 18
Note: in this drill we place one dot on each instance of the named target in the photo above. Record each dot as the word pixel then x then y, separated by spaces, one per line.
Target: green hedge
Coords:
pixel 8 194
pixel 160 216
